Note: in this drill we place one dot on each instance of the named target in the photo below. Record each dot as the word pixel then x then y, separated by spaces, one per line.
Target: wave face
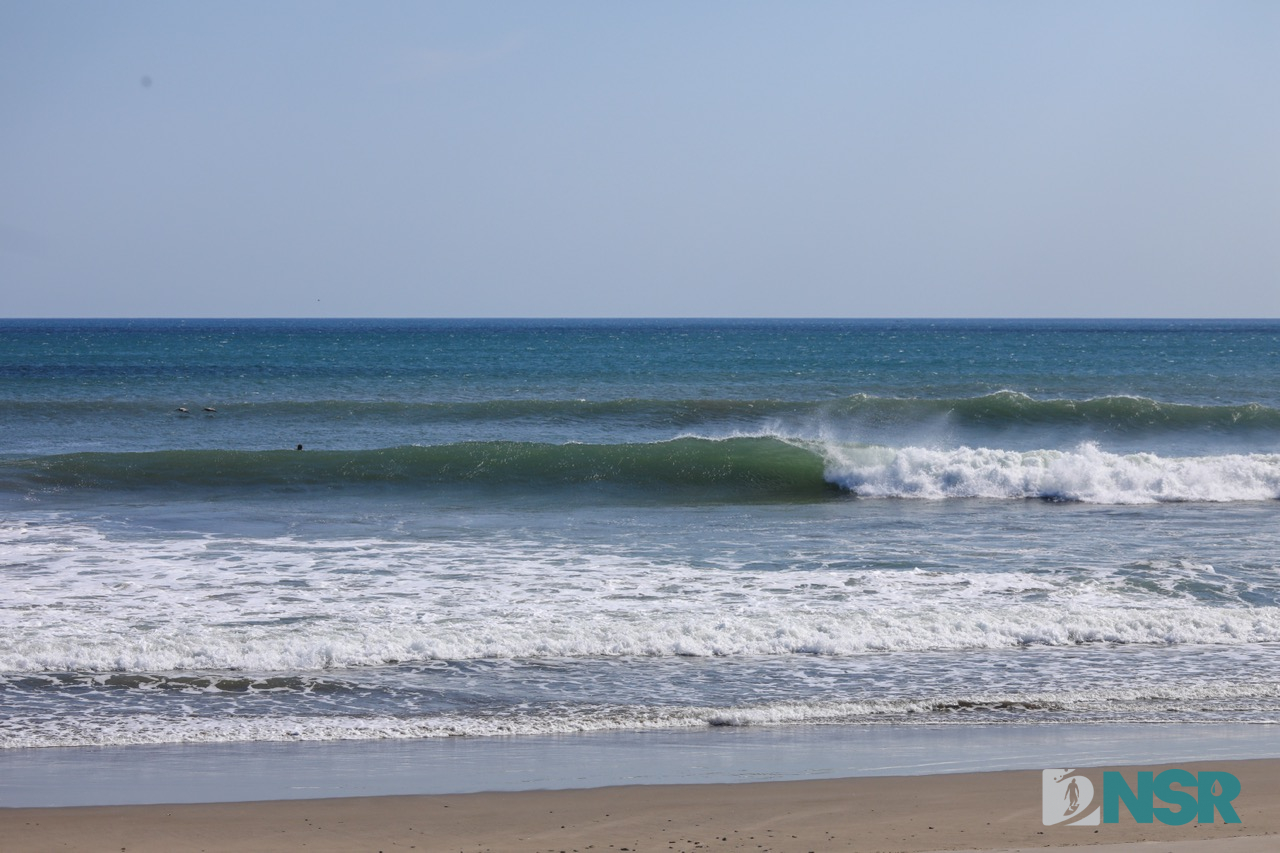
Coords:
pixel 737 466
pixel 760 467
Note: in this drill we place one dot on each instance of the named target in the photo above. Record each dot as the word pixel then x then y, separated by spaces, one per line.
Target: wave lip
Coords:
pixel 1086 474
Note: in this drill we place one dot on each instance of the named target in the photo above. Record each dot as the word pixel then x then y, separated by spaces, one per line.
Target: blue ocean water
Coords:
pixel 524 527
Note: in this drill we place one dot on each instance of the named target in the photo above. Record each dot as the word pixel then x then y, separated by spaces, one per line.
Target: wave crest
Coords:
pixel 1085 474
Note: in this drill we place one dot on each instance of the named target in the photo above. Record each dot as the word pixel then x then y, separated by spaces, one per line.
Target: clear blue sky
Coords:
pixel 892 159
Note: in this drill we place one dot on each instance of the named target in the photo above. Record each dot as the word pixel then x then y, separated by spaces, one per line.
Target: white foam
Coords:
pixel 74 599
pixel 1085 474
pixel 113 729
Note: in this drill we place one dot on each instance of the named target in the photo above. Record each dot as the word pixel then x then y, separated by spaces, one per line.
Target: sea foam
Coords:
pixel 80 600
pixel 1098 704
pixel 1085 474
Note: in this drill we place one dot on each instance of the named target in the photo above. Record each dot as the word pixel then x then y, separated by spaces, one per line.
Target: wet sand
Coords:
pixel 967 811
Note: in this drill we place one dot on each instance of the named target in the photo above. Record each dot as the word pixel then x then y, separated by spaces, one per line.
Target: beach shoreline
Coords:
pixel 969 811
pixel 143 774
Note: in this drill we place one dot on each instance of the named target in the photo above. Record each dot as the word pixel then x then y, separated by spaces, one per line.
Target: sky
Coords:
pixel 644 159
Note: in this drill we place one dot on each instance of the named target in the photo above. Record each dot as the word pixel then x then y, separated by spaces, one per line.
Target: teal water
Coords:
pixel 529 527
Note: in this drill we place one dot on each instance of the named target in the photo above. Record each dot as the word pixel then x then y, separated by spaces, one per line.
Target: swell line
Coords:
pixel 747 467
pixel 756 465
pixel 996 410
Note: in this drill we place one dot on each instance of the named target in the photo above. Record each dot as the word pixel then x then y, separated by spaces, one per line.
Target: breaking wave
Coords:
pixel 1084 474
pixel 742 467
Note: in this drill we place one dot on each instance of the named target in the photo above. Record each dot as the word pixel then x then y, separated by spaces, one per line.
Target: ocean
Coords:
pixel 533 527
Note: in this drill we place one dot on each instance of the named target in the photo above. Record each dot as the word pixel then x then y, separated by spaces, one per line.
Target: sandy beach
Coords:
pixel 970 811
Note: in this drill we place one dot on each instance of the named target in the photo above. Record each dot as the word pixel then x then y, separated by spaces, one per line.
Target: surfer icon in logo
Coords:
pixel 1073 792
pixel 1066 785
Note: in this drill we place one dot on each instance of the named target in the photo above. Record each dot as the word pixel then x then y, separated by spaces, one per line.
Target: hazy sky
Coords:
pixel 891 159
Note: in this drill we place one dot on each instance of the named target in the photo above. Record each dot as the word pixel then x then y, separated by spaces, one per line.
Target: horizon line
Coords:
pixel 648 319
